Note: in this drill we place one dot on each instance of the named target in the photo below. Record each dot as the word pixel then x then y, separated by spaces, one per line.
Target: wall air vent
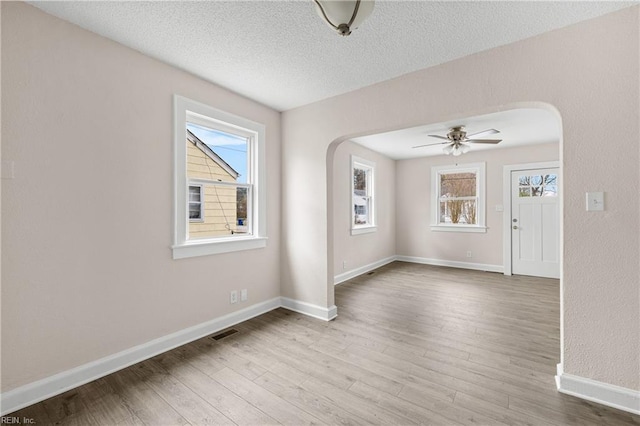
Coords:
pixel 224 334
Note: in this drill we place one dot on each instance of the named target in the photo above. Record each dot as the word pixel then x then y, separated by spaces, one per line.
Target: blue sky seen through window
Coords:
pixel 231 148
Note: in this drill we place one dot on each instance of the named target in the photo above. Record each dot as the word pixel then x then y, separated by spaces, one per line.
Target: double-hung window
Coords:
pixel 458 198
pixel 219 181
pixel 362 196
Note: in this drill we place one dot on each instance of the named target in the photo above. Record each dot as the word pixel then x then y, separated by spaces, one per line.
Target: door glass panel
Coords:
pixel 550 191
pixel 524 180
pixel 524 192
pixel 536 180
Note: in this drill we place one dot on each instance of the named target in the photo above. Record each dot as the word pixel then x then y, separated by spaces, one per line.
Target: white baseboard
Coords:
pixel 599 392
pixel 362 270
pixel 452 263
pixel 315 311
pixel 40 390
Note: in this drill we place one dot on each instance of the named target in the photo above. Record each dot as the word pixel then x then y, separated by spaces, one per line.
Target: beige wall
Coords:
pixel 87 269
pixel 220 203
pixel 589 72
pixel 414 200
pixel 361 250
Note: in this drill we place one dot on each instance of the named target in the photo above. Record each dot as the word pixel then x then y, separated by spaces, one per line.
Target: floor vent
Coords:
pixel 224 334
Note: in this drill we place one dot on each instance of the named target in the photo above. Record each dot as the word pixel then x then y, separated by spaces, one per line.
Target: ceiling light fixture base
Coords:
pixel 348 13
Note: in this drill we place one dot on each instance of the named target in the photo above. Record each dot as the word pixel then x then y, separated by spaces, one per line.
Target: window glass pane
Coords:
pixel 194 193
pixel 536 191
pixel 361 210
pixel 524 192
pixel 536 180
pixel 458 185
pixel 550 191
pixel 361 198
pixel 359 181
pixel 194 210
pixel 444 215
pixel 524 180
pixel 458 212
pixel 469 213
pixel 550 179
pixel 242 219
pixel 220 211
pixel 219 155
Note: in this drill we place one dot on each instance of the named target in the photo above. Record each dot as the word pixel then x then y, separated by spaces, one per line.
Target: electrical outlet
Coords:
pixel 469 254
pixel 233 297
pixel 243 295
pixel 344 264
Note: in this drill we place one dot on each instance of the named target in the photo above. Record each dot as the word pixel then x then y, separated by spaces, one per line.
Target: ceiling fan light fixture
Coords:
pixel 457 151
pixel 344 15
pixel 448 149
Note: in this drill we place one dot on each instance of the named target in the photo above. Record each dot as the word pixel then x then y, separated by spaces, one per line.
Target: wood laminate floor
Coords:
pixel 413 344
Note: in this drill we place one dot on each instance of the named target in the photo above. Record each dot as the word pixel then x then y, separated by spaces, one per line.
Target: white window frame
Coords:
pixel 201 189
pixel 369 167
pixel 187 110
pixel 436 172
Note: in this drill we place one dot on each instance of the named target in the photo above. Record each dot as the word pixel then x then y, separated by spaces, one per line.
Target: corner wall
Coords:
pixel 87 270
pixel 363 251
pixel 414 204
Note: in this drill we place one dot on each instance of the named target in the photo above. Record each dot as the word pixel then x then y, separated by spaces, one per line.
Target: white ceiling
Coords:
pixel 524 126
pixel 281 54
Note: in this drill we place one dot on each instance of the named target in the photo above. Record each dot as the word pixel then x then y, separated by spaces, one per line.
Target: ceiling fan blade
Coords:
pixel 429 144
pixel 483 133
pixel 494 141
pixel 439 137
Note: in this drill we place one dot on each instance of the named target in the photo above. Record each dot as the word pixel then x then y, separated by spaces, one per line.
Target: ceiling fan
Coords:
pixel 458 141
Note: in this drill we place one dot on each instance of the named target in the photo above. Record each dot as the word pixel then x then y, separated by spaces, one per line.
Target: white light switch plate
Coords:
pixel 595 201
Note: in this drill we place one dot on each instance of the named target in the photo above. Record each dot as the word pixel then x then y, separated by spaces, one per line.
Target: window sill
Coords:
pixel 363 230
pixel 208 247
pixel 459 228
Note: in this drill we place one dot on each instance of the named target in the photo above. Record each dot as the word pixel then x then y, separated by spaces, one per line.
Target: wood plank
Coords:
pixel 182 399
pixel 222 399
pixel 68 408
pixel 143 401
pixel 315 405
pixel 271 404
pixel 417 413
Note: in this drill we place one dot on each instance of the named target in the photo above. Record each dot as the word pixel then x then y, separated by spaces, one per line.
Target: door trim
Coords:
pixel 506 200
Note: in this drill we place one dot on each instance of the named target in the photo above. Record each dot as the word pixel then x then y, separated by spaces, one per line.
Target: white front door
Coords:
pixel 535 222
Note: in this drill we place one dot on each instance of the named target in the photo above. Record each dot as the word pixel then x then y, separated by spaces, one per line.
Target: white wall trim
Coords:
pixel 40 390
pixel 340 278
pixel 599 392
pixel 315 311
pixel 452 263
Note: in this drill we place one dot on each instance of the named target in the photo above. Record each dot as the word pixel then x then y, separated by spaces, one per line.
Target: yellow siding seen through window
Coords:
pixel 219 201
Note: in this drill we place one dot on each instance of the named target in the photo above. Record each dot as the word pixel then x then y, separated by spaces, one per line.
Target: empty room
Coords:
pixel 320 212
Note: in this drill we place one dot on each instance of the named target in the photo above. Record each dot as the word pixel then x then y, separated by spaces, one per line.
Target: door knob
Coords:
pixel 515 226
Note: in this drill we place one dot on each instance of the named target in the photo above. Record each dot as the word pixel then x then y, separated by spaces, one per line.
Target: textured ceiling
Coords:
pixel 282 55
